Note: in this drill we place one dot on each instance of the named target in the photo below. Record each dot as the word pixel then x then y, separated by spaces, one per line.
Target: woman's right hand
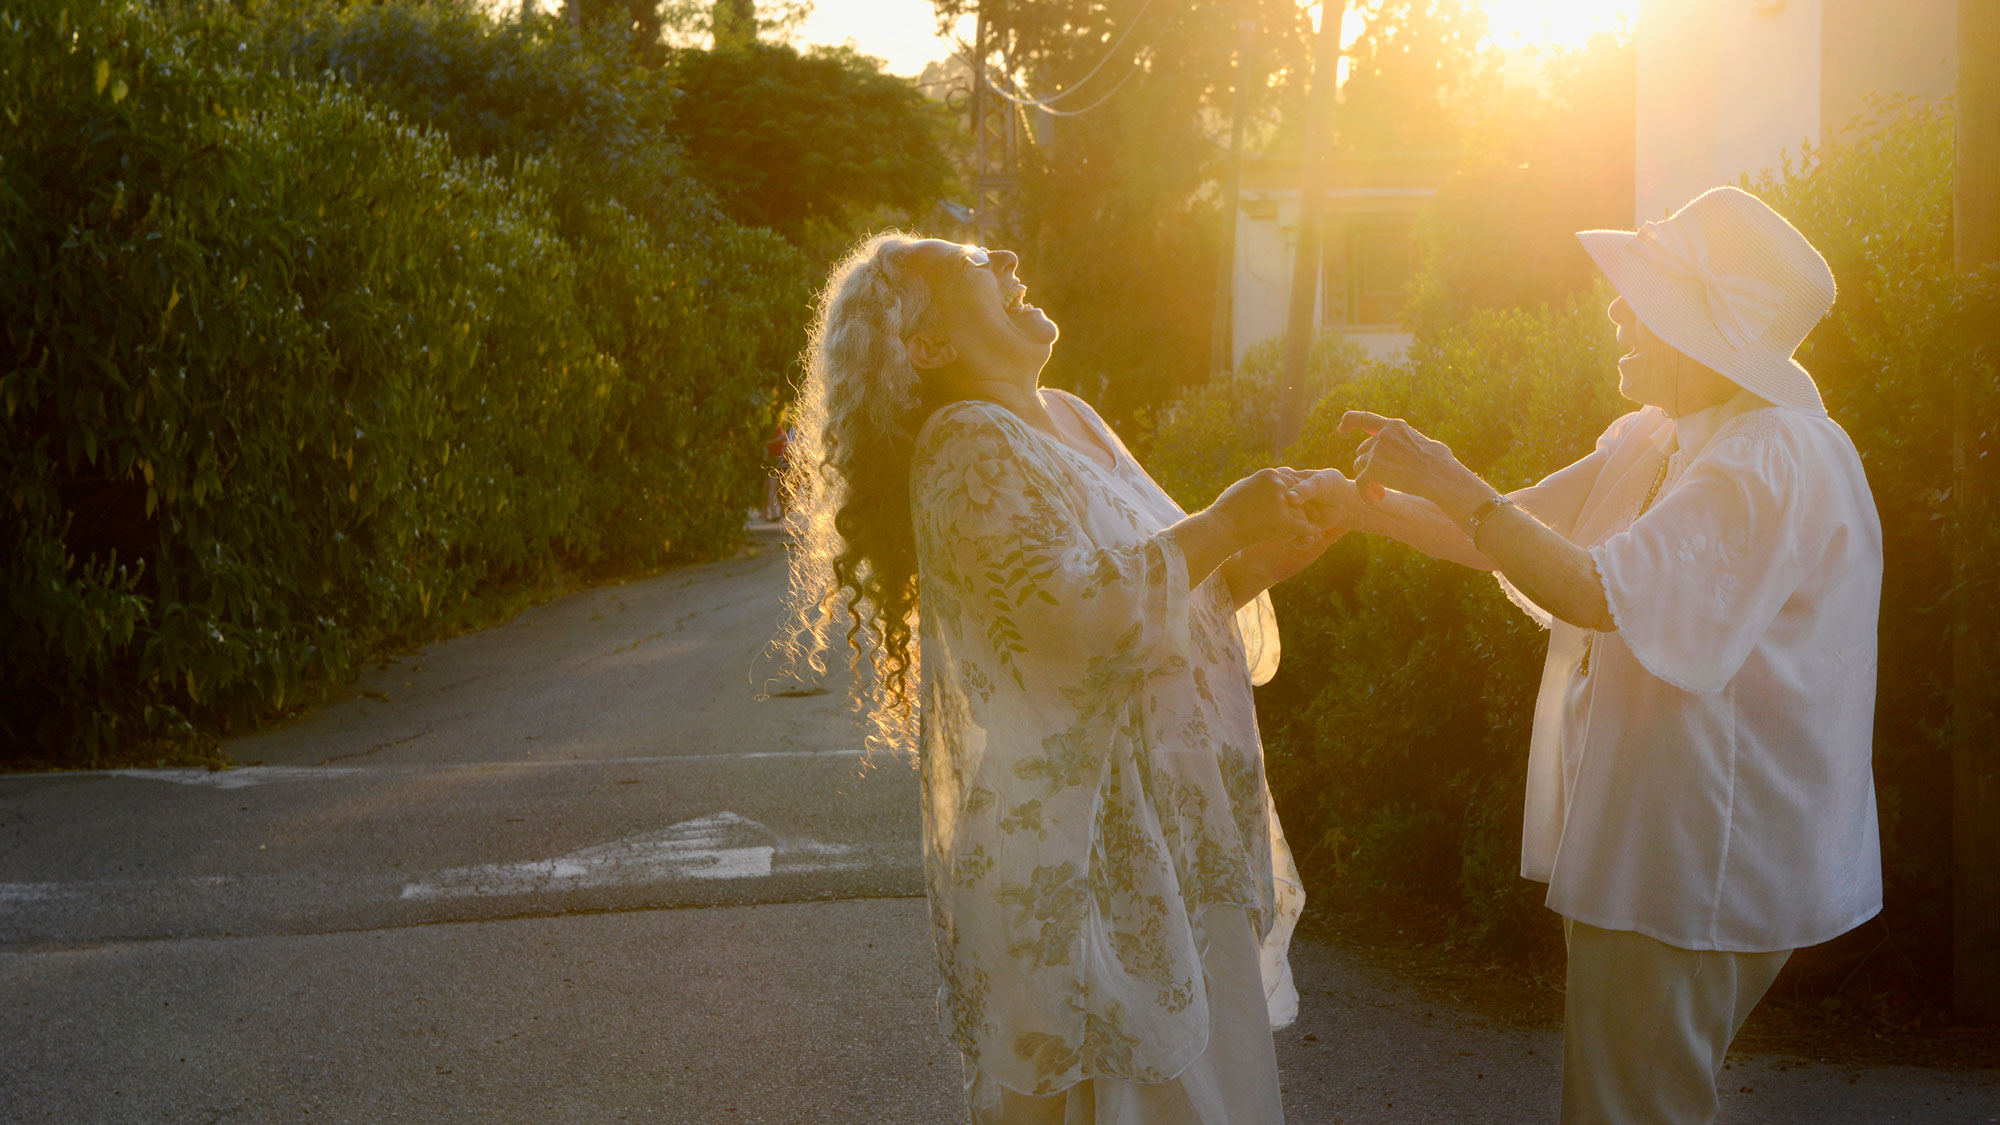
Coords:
pixel 1267 504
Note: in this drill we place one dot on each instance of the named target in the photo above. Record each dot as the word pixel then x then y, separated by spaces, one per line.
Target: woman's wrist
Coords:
pixel 1225 527
pixel 1207 543
pixel 1242 573
pixel 1464 497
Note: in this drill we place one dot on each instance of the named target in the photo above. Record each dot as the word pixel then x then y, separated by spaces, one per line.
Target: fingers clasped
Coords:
pixel 1267 504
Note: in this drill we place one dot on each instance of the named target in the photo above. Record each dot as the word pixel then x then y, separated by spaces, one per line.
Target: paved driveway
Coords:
pixel 570 869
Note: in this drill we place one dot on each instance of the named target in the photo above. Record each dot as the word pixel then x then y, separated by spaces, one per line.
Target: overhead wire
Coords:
pixel 1047 104
pixel 1092 72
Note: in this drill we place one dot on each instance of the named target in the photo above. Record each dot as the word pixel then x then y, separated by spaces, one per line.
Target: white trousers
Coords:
pixel 1646 1025
pixel 1234 1082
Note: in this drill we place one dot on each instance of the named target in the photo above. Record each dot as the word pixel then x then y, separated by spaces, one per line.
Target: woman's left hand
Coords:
pixel 1257 568
pixel 1397 456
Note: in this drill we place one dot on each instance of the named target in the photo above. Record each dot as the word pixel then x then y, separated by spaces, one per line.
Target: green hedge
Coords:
pixel 1398 728
pixel 285 375
pixel 703 316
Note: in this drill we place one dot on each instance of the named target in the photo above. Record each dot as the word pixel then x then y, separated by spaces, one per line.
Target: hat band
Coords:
pixel 1741 306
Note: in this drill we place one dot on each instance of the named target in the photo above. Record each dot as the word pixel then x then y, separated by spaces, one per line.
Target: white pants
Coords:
pixel 1234 1082
pixel 1646 1025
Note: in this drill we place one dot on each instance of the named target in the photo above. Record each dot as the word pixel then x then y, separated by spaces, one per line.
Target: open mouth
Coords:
pixel 1018 302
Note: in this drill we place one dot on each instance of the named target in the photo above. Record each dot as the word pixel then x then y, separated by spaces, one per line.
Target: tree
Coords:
pixel 1116 214
pixel 1500 233
pixel 651 29
pixel 1416 73
pixel 733 23
pixel 635 23
pixel 813 145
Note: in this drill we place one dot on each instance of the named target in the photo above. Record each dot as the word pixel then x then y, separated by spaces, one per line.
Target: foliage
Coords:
pixel 1398 728
pixel 813 145
pixel 1500 232
pixel 701 315
pixel 650 30
pixel 1214 434
pixel 285 376
pixel 1418 71
pixel 1116 216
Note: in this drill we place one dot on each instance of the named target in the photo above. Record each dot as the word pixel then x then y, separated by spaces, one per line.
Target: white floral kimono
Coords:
pixel 1092 774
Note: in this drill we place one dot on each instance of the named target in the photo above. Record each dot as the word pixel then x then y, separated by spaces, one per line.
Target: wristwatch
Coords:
pixel 1483 513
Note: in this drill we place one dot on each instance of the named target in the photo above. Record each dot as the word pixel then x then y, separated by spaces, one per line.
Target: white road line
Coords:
pixel 723 845
pixel 243 776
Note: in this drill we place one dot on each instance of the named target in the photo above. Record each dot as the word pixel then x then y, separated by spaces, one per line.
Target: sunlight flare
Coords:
pixel 1556 23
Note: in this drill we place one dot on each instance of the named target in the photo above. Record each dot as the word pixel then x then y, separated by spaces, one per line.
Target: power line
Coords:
pixel 1092 73
pixel 1047 105
pixel 1044 107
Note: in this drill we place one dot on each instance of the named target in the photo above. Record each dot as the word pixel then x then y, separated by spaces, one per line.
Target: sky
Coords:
pixel 903 32
pixel 900 32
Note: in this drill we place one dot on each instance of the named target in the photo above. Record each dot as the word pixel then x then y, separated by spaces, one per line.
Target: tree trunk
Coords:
pixel 1975 731
pixel 1312 192
pixel 1222 344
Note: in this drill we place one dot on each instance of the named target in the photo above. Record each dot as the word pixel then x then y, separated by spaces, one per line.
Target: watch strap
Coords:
pixel 1485 512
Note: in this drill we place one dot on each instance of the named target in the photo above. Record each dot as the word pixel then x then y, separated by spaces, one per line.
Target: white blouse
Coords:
pixel 1093 779
pixel 1705 775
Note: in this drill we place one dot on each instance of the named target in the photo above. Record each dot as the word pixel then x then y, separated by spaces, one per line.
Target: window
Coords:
pixel 1368 266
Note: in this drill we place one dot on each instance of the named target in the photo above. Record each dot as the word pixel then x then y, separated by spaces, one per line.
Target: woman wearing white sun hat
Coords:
pixel 1700 794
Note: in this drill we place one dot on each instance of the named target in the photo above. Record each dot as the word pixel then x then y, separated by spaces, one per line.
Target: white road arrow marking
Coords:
pixel 723 845
pixel 238 778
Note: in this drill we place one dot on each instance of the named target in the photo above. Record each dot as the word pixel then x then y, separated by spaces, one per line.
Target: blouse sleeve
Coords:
pixel 1557 500
pixel 1258 625
pixel 1001 535
pixel 1697 580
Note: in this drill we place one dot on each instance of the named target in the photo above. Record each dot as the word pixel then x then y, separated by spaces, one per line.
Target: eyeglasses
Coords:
pixel 975 257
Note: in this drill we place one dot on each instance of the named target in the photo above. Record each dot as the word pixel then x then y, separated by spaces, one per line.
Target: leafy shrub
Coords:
pixel 1217 432
pixel 701 315
pixel 285 375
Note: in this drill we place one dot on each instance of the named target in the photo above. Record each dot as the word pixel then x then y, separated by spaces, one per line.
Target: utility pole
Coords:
pixel 1221 336
pixel 1312 194
pixel 1975 751
pixel 995 139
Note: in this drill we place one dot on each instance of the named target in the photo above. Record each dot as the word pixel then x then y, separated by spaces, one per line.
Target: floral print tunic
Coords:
pixel 1092 775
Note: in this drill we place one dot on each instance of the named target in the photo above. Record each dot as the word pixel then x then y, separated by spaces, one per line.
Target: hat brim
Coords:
pixel 1676 310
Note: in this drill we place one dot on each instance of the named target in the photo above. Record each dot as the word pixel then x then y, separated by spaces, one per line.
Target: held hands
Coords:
pixel 1333 504
pixel 1267 504
pixel 1397 456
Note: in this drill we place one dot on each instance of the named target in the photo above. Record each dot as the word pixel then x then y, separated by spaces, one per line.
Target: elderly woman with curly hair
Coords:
pixel 1111 896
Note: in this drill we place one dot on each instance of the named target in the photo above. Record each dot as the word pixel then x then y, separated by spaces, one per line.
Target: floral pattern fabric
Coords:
pixel 1092 774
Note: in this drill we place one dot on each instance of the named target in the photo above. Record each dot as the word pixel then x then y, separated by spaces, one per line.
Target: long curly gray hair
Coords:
pixel 847 470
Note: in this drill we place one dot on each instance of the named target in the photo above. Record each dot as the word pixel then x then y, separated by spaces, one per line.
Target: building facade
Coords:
pixel 1728 87
pixel 1367 255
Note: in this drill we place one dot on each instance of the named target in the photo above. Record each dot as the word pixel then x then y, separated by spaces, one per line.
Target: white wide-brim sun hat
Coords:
pixel 1727 281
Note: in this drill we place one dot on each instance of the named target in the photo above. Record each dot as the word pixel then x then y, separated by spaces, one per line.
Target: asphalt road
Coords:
pixel 572 869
